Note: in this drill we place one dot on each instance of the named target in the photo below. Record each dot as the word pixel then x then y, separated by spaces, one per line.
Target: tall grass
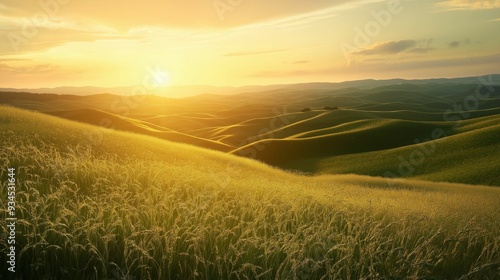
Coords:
pixel 88 214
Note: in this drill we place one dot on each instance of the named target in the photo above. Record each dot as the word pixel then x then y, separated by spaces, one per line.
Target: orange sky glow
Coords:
pixel 50 43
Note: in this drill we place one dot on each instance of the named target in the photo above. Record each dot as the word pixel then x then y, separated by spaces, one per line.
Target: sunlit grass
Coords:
pixel 136 207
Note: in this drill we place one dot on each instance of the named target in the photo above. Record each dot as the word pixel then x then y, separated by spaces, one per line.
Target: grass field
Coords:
pixel 131 206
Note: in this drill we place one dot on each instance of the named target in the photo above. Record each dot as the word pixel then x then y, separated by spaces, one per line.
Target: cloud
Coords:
pixel 300 62
pixel 385 68
pixel 35 69
pixel 6 10
pixel 283 74
pixel 14 41
pixel 421 50
pixel 21 34
pixel 388 47
pixel 396 47
pixel 81 21
pixel 451 5
pixel 454 44
pixel 382 66
pixel 253 53
pixel 12 59
pixel 126 14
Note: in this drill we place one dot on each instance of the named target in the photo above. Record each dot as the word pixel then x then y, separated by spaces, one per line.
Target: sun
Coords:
pixel 161 78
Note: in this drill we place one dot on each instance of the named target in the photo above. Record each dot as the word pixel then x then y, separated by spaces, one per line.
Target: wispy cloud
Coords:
pixel 300 62
pixel 383 67
pixel 46 38
pixel 280 74
pixel 468 4
pixel 195 14
pixel 253 52
pixel 492 59
pixel 420 50
pixel 454 44
pixel 457 43
pixel 388 47
pixel 35 69
pixel 396 47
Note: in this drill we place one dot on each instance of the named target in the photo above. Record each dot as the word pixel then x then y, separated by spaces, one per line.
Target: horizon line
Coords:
pixel 251 85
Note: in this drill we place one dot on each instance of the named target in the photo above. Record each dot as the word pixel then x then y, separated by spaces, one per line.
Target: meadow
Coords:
pixel 134 206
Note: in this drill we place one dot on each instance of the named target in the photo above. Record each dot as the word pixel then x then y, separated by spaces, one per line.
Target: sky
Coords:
pixel 51 43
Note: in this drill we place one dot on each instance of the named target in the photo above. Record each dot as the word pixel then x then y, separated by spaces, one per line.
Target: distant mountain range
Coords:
pixel 184 91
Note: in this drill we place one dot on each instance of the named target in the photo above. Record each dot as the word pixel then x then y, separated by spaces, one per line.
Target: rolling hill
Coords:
pixel 381 120
pixel 112 121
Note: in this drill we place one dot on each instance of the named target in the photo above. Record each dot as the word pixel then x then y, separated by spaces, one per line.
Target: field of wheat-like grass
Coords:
pixel 136 207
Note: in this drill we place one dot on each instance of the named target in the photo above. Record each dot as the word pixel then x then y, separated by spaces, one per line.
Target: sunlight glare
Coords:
pixel 161 78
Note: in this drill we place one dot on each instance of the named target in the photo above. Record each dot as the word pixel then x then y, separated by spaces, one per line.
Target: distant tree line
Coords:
pixel 307 109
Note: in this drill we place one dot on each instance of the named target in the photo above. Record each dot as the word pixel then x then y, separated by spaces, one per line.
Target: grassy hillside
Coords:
pixel 137 207
pixel 469 154
pixel 380 135
pixel 108 120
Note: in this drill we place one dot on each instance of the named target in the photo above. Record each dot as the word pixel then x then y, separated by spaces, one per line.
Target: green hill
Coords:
pixel 467 154
pixel 379 135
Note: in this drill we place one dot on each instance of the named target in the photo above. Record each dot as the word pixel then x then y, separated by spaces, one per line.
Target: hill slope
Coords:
pixel 467 152
pixel 108 120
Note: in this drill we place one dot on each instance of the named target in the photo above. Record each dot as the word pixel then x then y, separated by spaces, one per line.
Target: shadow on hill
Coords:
pixel 111 121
